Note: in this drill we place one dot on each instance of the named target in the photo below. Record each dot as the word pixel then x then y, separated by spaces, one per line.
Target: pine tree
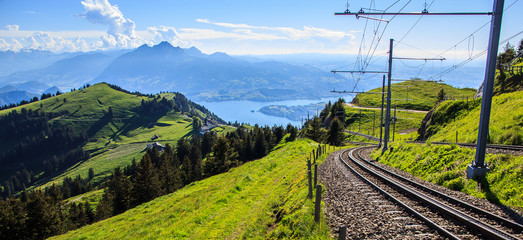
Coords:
pixel 441 96
pixel 224 157
pixel 186 170
pixel 91 174
pixel 335 135
pixel 315 131
pixel 13 216
pixel 120 188
pixel 170 176
pixel 196 163
pixel 293 132
pixel 182 148
pixel 43 218
pixel 146 185
pixel 104 209
pixel 260 145
pixel 88 212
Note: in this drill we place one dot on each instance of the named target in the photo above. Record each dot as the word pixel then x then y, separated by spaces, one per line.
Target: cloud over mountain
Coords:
pixel 121 31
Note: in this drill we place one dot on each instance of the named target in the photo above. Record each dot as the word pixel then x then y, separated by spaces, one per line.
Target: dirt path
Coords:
pixel 377 108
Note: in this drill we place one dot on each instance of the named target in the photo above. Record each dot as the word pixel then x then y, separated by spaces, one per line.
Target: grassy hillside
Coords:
pixel 262 199
pixel 506 120
pixel 113 141
pixel 446 166
pixel 407 122
pixel 421 95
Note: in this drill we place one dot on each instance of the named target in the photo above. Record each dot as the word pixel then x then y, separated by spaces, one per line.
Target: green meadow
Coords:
pixel 116 142
pixel 446 166
pixel 262 199
pixel 461 117
pixel 412 94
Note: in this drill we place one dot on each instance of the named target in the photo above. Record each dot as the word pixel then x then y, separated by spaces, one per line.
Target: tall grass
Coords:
pixel 263 199
pixel 446 166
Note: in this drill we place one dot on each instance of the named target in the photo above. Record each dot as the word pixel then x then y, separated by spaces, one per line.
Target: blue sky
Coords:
pixel 248 27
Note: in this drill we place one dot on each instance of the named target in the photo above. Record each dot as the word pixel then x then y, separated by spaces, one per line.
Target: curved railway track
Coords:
pixel 473 145
pixel 450 217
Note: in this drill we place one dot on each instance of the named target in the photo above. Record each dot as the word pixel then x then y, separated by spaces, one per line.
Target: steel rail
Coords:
pixel 484 228
pixel 444 232
pixel 503 221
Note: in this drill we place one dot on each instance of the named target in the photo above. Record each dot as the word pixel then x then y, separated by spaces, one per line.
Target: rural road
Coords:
pixel 377 108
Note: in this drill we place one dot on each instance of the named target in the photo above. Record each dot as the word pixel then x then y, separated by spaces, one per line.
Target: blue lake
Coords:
pixel 247 111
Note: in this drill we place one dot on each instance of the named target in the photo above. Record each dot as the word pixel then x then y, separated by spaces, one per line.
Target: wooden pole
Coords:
pixel 317 204
pixel 342 233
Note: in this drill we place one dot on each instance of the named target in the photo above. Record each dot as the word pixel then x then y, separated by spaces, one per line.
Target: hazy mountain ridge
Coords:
pixel 66 73
pixel 205 77
pixel 214 77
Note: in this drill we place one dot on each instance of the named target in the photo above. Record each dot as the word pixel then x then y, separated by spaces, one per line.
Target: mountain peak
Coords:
pixel 194 52
pixel 163 44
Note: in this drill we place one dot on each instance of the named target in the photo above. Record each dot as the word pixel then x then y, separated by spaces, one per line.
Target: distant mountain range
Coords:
pixel 24 91
pixel 209 77
pixel 215 77
pixel 201 77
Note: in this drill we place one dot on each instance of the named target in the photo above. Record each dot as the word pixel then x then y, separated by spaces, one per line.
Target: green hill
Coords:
pixel 98 127
pixel 262 199
pixel 367 121
pixel 462 117
pixel 446 166
pixel 412 94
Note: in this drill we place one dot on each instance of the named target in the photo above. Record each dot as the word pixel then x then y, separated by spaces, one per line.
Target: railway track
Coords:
pixel 450 217
pixel 473 145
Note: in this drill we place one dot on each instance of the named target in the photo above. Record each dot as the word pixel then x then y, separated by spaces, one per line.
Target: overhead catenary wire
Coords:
pixel 364 62
pixel 454 67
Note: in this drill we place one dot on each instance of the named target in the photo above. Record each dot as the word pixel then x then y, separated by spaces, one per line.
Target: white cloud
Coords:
pixel 12 27
pixel 283 32
pixel 208 34
pixel 163 33
pixel 121 30
pixel 216 36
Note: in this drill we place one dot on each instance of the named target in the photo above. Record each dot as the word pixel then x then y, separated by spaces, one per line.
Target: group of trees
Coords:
pixel 160 173
pixel 504 81
pixel 329 126
pixel 42 213
pixel 35 146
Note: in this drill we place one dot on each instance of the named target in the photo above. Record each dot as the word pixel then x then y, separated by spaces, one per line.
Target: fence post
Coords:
pixel 342 233
pixel 317 204
pixel 310 183
pixel 315 174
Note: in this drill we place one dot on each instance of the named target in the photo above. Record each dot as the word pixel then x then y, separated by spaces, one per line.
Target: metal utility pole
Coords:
pixel 478 169
pixel 387 112
pixel 381 119
pixel 373 122
pixel 394 128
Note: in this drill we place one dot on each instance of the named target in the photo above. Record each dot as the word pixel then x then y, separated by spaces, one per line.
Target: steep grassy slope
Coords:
pixel 509 81
pixel 446 165
pixel 370 121
pixel 506 120
pixel 116 140
pixel 421 95
pixel 266 198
